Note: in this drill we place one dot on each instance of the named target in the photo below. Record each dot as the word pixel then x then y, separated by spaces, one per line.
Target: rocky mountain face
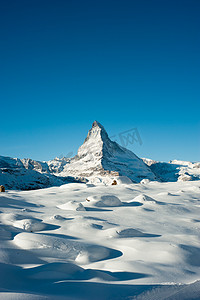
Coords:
pixel 175 170
pixel 97 157
pixel 27 174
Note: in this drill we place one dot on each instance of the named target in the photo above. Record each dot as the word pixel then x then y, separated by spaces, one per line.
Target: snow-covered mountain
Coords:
pixel 175 170
pixel 98 157
pixel 27 174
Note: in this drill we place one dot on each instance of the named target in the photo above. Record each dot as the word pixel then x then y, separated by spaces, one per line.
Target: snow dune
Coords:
pixel 91 241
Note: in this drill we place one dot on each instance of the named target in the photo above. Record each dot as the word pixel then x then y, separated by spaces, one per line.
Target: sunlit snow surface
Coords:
pixel 97 241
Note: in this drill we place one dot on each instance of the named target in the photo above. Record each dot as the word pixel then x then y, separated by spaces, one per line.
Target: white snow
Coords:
pixel 98 161
pixel 174 170
pixel 145 181
pixel 72 205
pixel 102 236
pixel 144 198
pixel 104 200
pixel 129 241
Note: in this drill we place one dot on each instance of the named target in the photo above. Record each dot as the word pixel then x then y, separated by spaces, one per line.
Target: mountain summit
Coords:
pixel 99 156
pixel 95 143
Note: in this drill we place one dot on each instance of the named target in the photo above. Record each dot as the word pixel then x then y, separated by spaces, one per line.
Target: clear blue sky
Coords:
pixel 64 64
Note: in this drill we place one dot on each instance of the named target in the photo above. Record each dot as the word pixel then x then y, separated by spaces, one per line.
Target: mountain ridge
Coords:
pixel 98 156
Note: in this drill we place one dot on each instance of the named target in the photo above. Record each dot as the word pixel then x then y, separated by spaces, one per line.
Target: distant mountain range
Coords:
pixel 98 157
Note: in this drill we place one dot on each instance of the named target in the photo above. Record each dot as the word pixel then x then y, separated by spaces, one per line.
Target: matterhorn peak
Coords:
pixel 99 156
pixel 97 124
pixel 97 133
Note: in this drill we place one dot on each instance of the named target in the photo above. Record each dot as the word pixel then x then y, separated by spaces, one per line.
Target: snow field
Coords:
pixel 136 241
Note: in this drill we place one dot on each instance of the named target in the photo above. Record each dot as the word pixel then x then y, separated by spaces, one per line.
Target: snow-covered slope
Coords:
pixel 174 170
pixel 99 156
pixel 98 160
pixel 27 174
pixel 86 242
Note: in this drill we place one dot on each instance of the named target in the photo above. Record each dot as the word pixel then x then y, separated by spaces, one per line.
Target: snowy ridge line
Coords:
pixel 98 160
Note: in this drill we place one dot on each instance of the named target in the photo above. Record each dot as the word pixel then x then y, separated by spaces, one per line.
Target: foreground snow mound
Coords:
pixel 72 205
pixel 60 247
pixel 58 218
pixel 123 180
pixel 141 247
pixel 144 198
pixel 104 201
pixel 29 225
pixel 20 221
pixel 134 233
